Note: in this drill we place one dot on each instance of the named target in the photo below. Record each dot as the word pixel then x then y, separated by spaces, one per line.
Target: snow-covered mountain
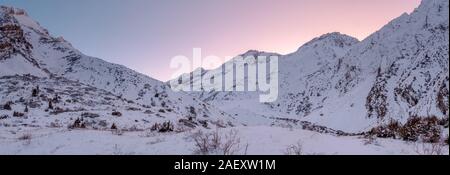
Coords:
pixel 27 49
pixel 399 72
pixel 333 90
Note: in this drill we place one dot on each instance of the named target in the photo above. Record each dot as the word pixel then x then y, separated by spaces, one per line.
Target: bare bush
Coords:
pixel 369 140
pixel 18 114
pixel 446 140
pixel 7 106
pixel 214 143
pixel 164 127
pixel 4 116
pixel 294 149
pixel 90 115
pixel 55 125
pixel 26 136
pixel 78 123
pixel 116 113
pixel 113 126
pixel 429 148
pixel 117 132
pixel 182 128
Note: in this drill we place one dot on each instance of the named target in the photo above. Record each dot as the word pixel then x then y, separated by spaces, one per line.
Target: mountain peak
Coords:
pixel 12 11
pixel 19 16
pixel 335 39
pixel 257 53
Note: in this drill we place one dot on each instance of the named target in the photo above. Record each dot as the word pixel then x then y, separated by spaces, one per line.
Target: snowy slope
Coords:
pixel 331 91
pixel 336 81
pixel 27 48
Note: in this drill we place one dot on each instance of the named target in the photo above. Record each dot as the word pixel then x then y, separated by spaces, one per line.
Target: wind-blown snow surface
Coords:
pixel 332 89
pixel 63 141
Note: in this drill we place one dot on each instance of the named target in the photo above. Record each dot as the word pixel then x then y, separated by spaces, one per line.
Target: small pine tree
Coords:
pixel 26 109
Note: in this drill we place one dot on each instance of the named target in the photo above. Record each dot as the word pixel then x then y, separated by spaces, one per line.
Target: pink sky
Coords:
pixel 144 35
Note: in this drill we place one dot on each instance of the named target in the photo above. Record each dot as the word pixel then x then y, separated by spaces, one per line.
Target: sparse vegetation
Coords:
pixel 50 104
pixel 7 106
pixel 426 129
pixel 118 132
pixel 113 126
pixel 116 113
pixel 26 136
pixel 89 115
pixel 429 148
pixel 166 127
pixel 294 149
pixel 446 140
pixel 215 144
pixel 4 117
pixel 18 114
pixel 78 123
pixel 35 92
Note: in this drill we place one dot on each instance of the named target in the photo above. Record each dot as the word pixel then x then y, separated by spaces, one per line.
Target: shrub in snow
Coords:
pixel 444 122
pixel 215 144
pixel 187 122
pixel 117 132
pixel 386 131
pixel 446 140
pixel 26 136
pixel 166 127
pixel 426 129
pixel 18 114
pixel 50 104
pixel 116 113
pixel 35 92
pixel 78 123
pixel 54 125
pixel 7 106
pixel 89 115
pixel 103 123
pixel 295 149
pixel 429 148
pixel 417 128
pixel 113 126
pixel 4 117
pixel 155 127
pixel 133 109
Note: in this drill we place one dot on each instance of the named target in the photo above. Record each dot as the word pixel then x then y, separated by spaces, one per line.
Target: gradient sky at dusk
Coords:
pixel 145 34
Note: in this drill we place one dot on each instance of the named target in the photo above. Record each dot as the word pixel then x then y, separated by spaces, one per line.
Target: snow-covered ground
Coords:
pixel 260 140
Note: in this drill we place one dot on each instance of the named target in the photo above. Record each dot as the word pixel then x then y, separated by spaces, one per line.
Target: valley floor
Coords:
pixel 253 140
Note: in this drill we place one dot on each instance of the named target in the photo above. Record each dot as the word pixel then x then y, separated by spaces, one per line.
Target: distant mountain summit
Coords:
pixel 399 72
